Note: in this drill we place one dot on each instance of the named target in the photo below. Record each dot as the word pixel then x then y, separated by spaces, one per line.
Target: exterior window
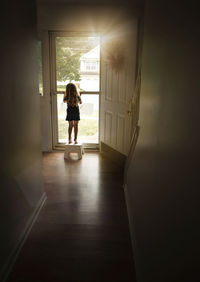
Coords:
pixel 40 71
pixel 91 66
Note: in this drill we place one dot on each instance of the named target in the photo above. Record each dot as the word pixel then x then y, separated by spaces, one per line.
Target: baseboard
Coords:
pixel 132 234
pixel 6 269
pixel 113 154
pixel 131 150
pixel 47 151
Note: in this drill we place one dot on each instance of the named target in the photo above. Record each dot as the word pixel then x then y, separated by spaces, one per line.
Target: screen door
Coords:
pixel 75 58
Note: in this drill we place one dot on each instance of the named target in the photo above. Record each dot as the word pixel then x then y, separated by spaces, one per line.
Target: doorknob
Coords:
pixel 129 112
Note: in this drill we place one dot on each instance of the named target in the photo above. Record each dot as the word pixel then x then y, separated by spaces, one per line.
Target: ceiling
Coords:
pixel 93 2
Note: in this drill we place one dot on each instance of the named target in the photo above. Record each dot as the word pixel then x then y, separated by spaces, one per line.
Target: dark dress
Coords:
pixel 73 113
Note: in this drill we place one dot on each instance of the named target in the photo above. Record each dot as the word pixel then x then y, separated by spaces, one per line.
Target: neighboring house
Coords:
pixel 89 69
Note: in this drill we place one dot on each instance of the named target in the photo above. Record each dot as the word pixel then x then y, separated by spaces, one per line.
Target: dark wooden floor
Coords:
pixel 82 231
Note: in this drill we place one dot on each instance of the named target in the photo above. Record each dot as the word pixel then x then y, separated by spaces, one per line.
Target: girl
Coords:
pixel 73 98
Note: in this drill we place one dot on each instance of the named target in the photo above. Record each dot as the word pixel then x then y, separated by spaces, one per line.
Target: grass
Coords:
pixel 86 127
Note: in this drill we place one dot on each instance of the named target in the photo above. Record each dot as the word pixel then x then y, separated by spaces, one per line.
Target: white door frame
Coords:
pixel 53 85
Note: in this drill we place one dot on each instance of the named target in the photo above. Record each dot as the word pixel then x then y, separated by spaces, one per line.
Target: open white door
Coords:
pixel 118 71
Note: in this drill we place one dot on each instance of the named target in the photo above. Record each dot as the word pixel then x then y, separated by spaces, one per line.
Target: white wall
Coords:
pixel 45 101
pixel 21 185
pixel 163 176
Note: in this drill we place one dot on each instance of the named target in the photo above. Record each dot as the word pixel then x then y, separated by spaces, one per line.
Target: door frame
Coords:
pixel 53 85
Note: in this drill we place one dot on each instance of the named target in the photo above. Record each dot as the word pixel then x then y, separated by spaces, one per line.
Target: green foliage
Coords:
pixel 68 53
pixel 67 64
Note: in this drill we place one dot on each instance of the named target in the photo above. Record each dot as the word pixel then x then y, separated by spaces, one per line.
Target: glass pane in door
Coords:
pixel 78 61
pixel 88 125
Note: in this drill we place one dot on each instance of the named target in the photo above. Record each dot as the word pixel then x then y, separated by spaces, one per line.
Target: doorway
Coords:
pixel 75 57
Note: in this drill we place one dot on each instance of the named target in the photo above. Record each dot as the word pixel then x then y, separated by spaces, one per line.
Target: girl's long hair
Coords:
pixel 72 95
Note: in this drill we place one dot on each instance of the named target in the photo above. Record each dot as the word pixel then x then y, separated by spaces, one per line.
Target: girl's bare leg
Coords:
pixel 75 131
pixel 71 123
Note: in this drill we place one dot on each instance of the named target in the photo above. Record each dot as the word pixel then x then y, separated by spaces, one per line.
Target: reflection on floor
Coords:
pixel 82 231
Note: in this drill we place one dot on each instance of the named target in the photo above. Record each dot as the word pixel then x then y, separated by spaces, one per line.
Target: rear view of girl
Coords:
pixel 73 98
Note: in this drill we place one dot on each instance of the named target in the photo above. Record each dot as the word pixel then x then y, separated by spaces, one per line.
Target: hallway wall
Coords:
pixel 21 190
pixel 163 176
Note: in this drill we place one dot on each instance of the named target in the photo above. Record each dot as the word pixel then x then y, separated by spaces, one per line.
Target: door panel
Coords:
pixel 115 102
pixel 117 89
